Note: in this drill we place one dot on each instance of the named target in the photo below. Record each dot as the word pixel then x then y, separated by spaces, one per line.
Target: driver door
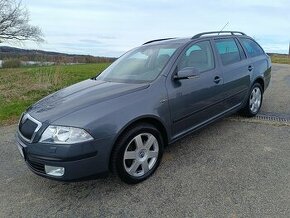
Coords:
pixel 194 101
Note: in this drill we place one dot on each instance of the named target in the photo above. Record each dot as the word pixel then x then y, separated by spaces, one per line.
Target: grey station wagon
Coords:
pixel 150 97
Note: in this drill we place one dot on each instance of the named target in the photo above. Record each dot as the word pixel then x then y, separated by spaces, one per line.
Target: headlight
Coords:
pixel 64 135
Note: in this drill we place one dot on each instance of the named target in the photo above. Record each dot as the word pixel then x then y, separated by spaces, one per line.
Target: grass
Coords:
pixel 280 59
pixel 21 87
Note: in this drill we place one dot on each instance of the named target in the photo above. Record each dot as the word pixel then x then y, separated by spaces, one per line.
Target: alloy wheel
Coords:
pixel 141 154
pixel 255 100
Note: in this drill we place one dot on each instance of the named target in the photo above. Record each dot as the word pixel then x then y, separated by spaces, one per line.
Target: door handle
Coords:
pixel 217 79
pixel 250 68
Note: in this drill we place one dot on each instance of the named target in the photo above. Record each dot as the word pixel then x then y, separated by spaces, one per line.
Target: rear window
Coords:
pixel 252 48
pixel 228 51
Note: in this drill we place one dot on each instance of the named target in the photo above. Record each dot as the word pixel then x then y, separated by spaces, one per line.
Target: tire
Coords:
pixel 131 159
pixel 254 101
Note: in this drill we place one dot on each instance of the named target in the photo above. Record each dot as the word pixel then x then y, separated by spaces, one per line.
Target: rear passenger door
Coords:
pixel 236 71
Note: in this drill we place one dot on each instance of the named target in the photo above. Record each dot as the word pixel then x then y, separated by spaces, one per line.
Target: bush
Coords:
pixel 11 63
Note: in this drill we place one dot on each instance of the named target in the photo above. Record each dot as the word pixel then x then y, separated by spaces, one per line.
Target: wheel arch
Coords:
pixel 261 81
pixel 155 121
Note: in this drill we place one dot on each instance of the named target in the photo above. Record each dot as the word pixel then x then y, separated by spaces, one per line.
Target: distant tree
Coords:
pixel 14 23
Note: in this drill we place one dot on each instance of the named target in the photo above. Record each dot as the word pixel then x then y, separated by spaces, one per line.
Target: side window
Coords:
pixel 252 48
pixel 228 50
pixel 199 56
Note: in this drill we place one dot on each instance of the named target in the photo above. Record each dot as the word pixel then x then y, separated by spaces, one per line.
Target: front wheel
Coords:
pixel 137 153
pixel 254 102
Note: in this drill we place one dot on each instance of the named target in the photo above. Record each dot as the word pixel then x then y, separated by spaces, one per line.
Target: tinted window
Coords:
pixel 228 50
pixel 252 48
pixel 199 56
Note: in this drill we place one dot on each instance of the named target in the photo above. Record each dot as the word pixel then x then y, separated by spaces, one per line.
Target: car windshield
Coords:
pixel 140 65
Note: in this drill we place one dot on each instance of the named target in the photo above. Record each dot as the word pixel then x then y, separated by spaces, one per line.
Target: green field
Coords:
pixel 20 87
pixel 280 59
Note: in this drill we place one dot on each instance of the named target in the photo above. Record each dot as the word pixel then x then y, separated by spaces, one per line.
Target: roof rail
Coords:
pixel 218 33
pixel 157 40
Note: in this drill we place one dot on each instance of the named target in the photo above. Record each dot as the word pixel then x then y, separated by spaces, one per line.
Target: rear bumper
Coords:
pixel 85 165
pixel 267 78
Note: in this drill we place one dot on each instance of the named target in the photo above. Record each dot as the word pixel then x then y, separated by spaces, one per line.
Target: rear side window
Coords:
pixel 252 48
pixel 199 56
pixel 228 50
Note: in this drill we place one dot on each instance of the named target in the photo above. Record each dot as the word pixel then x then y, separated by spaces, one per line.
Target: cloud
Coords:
pixel 112 27
pixel 89 41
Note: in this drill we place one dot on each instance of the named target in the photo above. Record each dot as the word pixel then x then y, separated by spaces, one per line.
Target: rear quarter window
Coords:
pixel 228 51
pixel 252 48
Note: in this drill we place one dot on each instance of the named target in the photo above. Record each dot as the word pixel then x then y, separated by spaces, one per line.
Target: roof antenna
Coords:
pixel 223 27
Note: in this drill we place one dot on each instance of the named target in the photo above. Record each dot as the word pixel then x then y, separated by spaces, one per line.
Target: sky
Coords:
pixel 111 27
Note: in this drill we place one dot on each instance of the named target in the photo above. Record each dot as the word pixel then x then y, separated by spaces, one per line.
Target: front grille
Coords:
pixel 28 126
pixel 38 167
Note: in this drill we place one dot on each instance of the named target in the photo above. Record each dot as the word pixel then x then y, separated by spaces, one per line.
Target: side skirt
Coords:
pixel 206 122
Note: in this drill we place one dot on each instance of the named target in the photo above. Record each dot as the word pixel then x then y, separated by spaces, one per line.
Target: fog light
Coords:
pixel 54 171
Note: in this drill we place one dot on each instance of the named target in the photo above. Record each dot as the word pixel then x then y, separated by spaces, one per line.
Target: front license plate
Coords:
pixel 20 150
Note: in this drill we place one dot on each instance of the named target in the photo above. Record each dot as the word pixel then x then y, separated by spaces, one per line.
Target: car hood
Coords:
pixel 78 96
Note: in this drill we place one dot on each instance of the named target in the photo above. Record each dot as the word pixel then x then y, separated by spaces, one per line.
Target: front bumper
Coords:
pixel 81 161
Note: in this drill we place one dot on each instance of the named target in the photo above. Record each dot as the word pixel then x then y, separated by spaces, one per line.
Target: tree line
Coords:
pixel 60 58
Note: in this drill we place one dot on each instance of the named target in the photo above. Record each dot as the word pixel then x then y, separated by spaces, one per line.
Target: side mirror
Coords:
pixel 187 73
